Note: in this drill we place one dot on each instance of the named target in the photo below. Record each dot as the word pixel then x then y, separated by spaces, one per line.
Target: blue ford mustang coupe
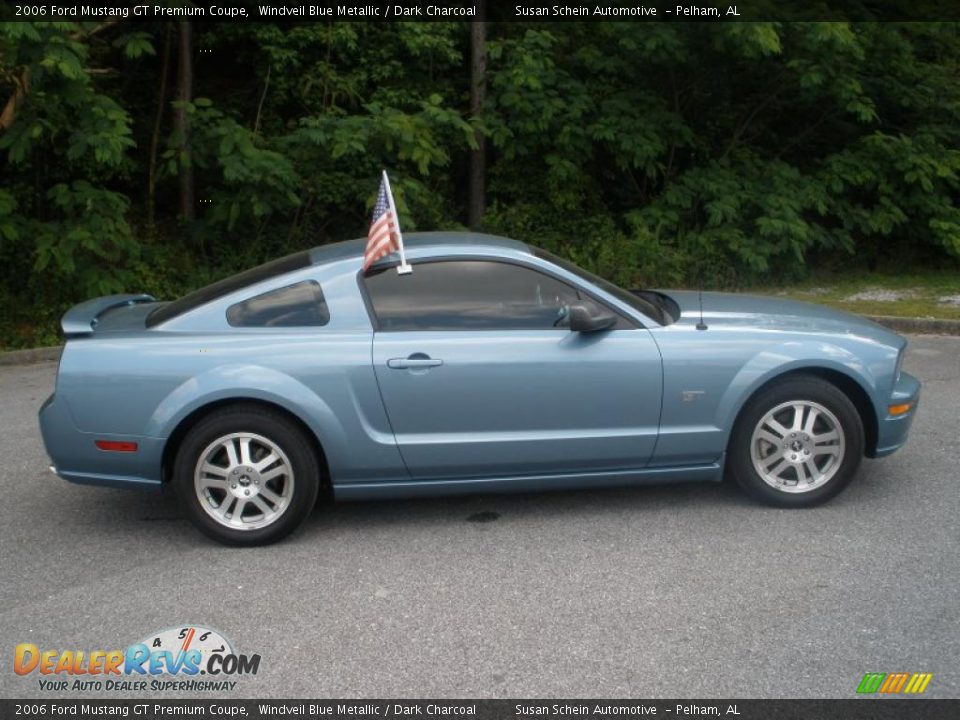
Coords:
pixel 493 366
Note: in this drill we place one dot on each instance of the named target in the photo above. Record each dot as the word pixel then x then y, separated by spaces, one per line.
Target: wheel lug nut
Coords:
pixel 246 492
pixel 234 486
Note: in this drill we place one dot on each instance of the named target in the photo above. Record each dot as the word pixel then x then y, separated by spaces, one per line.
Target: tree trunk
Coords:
pixel 182 120
pixel 22 82
pixel 155 137
pixel 477 202
pixel 22 87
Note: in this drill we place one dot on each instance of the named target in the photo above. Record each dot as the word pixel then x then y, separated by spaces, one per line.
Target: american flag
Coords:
pixel 383 236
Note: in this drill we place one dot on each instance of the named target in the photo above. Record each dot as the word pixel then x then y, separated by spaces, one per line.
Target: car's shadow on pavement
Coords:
pixel 580 503
pixel 159 514
pixel 141 512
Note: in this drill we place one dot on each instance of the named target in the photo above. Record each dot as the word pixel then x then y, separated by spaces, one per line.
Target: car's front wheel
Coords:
pixel 797 443
pixel 246 475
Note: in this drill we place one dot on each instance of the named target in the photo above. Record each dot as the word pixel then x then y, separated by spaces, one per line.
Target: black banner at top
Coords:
pixel 493 10
pixel 582 709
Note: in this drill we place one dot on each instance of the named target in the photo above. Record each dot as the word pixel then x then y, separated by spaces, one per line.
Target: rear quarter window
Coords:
pixel 228 285
pixel 299 305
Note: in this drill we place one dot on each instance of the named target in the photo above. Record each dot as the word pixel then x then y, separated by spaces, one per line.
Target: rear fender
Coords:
pixel 251 382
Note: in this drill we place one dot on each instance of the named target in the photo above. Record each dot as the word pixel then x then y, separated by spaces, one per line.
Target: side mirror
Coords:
pixel 583 319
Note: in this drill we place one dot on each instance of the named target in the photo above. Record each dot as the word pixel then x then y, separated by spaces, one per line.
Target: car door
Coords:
pixel 480 377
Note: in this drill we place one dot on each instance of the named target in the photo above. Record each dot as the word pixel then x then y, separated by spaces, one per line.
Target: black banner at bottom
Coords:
pixel 853 709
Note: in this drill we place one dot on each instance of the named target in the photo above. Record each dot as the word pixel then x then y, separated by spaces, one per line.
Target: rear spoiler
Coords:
pixel 82 318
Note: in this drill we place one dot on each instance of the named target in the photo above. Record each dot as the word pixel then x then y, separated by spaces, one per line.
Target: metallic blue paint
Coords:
pixel 81 319
pixel 507 410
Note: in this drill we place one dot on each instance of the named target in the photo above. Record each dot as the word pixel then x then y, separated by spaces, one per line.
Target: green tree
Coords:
pixel 656 154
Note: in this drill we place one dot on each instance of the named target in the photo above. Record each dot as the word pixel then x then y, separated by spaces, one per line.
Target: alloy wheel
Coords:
pixel 798 446
pixel 244 481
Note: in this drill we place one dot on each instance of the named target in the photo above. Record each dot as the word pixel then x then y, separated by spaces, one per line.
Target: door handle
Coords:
pixel 415 361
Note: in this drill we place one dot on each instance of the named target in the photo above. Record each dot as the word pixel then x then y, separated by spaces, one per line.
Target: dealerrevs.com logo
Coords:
pixel 169 660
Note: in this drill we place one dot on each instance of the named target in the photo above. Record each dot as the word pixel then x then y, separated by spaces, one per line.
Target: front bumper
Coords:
pixel 892 430
pixel 76 458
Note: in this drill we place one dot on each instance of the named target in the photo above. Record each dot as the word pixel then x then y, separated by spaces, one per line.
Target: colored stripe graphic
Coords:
pixel 871 682
pixel 918 683
pixel 893 683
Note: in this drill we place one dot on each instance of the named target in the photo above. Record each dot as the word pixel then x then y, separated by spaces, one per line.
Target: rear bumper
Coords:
pixel 892 431
pixel 76 458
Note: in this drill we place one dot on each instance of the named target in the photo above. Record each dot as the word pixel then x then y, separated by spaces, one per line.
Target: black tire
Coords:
pixel 279 430
pixel 803 388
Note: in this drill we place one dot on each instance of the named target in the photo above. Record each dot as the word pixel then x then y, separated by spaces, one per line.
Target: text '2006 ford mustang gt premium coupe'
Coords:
pixel 492 366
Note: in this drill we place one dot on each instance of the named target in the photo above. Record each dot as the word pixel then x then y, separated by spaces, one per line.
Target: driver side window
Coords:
pixel 469 295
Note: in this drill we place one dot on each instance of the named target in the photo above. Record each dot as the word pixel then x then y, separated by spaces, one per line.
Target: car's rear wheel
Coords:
pixel 246 475
pixel 797 443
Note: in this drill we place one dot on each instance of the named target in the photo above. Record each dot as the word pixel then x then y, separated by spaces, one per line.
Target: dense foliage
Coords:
pixel 653 153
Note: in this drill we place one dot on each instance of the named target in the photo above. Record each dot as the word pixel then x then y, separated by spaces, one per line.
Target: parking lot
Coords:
pixel 671 591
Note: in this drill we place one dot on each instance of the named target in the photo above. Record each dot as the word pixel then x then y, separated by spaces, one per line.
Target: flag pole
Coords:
pixel 403 268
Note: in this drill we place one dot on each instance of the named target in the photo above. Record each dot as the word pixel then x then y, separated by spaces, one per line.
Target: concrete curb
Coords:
pixel 30 356
pixel 920 326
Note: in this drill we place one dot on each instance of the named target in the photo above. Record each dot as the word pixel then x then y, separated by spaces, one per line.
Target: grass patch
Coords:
pixel 911 294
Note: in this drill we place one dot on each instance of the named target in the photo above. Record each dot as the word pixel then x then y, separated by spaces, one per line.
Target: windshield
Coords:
pixel 637 303
pixel 228 285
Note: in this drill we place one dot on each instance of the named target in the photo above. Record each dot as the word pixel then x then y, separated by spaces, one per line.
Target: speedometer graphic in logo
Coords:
pixel 183 639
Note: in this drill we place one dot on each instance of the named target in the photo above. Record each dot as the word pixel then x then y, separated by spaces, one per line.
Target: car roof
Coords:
pixel 323 254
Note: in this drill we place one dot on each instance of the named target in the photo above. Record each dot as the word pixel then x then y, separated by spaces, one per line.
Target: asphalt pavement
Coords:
pixel 654 592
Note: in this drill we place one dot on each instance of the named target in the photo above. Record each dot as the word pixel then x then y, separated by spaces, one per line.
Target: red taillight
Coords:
pixel 116 445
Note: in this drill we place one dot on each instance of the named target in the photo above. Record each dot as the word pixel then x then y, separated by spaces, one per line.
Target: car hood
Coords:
pixel 774 313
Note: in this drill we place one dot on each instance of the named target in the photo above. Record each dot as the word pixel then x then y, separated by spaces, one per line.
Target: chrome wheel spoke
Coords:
pixel 797 417
pixel 801 474
pixel 238 511
pixel 770 437
pixel 245 451
pixel 768 461
pixel 220 472
pixel 271 474
pixel 266 462
pixel 779 429
pixel 271 495
pixel 784 464
pixel 258 502
pixel 231 450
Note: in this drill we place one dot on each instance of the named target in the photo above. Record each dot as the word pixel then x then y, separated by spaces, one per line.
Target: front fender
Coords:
pixel 790 357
